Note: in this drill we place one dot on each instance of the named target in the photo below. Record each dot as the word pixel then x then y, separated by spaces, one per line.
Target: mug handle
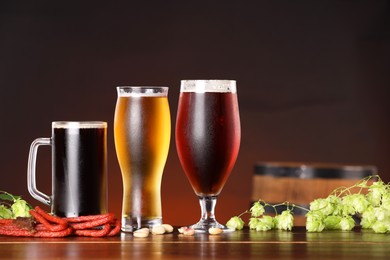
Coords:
pixel 31 171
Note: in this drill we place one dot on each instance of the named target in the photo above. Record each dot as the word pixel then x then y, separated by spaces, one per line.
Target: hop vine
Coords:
pixel 342 209
pixel 12 206
pixel 261 222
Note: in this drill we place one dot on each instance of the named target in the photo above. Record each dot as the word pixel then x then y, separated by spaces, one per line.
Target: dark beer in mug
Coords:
pixel 79 163
pixel 79 168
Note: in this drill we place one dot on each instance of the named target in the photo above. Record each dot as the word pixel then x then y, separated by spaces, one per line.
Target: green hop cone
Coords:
pixel 354 203
pixel 315 221
pixel 347 205
pixel 332 222
pixel 253 223
pixel 257 209
pixel 335 207
pixel 347 223
pixel 265 223
pixel 348 210
pixel 376 190
pixel 360 203
pixel 285 221
pixel 381 213
pixel 235 223
pixel 381 226
pixel 326 206
pixel 368 218
pixel 318 204
pixel 20 208
pixel 386 200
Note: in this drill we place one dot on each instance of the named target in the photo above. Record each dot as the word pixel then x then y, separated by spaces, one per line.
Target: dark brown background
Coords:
pixel 313 81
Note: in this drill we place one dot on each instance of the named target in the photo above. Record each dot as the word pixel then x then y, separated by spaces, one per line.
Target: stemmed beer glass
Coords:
pixel 208 137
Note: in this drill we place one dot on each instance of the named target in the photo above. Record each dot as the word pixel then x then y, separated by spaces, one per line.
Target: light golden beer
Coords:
pixel 142 131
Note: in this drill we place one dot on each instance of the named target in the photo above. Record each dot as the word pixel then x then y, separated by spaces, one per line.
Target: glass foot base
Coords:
pixel 207 220
pixel 203 226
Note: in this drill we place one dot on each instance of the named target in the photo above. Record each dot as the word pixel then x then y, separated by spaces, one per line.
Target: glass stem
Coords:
pixel 207 205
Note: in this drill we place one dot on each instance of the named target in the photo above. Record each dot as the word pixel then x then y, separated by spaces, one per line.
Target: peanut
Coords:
pixel 215 231
pixel 187 231
pixel 143 232
pixel 168 228
pixel 158 230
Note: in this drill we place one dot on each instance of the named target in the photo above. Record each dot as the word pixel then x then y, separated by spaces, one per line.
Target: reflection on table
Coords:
pixel 297 244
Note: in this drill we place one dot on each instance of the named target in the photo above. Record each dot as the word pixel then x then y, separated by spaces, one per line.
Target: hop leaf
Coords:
pixel 8 196
pixel 235 223
pixel 257 209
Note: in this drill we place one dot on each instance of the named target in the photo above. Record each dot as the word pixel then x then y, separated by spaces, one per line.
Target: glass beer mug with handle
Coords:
pixel 142 130
pixel 79 168
pixel 208 137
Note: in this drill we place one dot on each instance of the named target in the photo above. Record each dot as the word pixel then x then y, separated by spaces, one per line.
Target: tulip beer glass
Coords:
pixel 208 136
pixel 142 130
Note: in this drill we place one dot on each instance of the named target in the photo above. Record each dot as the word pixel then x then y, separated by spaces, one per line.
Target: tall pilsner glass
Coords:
pixel 208 137
pixel 142 130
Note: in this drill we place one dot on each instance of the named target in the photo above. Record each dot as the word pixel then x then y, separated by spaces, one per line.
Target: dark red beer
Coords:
pixel 208 138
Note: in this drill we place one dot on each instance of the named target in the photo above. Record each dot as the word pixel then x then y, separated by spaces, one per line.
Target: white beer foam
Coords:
pixel 142 91
pixel 79 124
pixel 209 85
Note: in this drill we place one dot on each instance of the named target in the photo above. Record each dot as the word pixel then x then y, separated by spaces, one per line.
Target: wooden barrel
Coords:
pixel 301 183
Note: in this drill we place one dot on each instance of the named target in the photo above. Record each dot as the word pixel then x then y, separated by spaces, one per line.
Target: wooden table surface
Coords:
pixel 245 244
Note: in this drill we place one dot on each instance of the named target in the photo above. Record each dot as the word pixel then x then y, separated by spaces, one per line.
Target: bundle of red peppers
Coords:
pixel 43 224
